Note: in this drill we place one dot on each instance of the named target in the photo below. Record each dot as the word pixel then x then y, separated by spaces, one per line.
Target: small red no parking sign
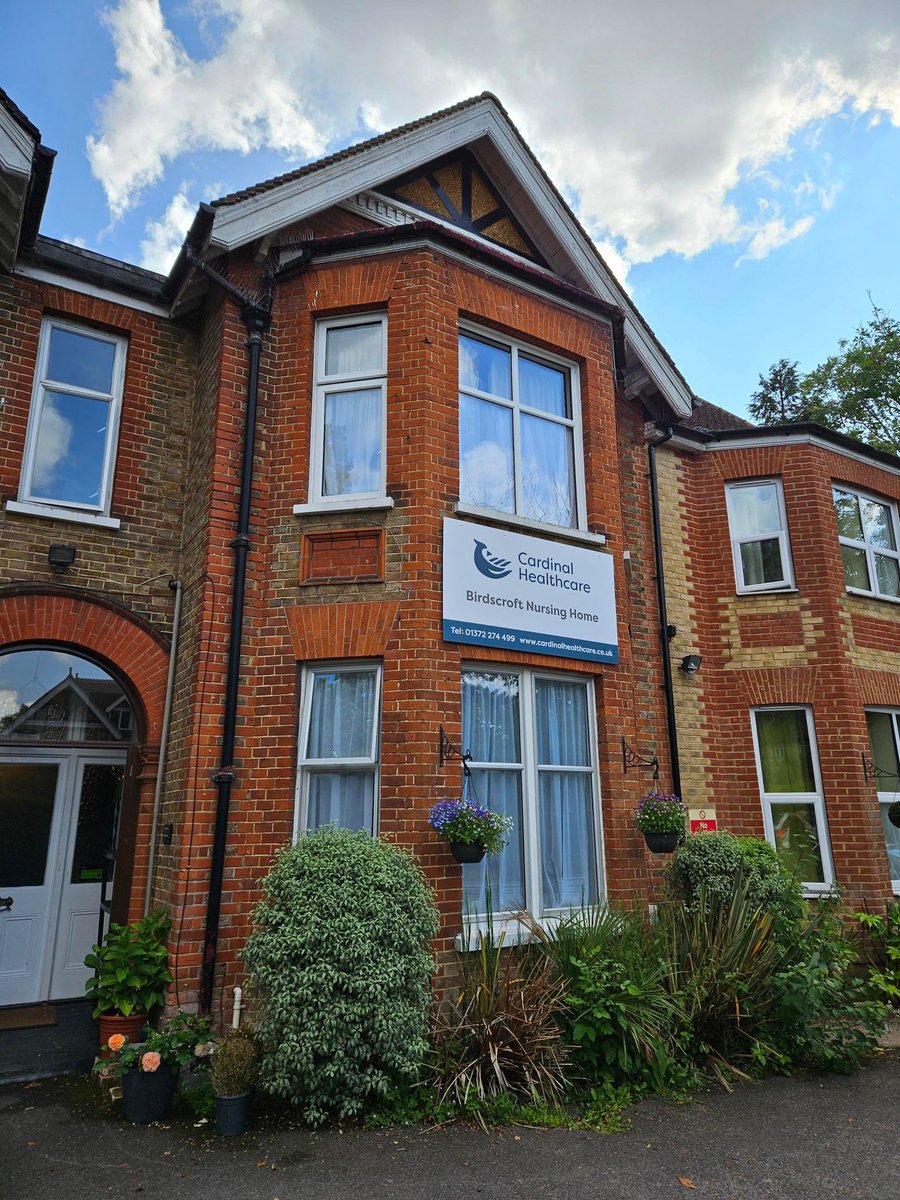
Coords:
pixel 703 820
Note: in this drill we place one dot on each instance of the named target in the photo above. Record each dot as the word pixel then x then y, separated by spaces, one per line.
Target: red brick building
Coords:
pixel 365 475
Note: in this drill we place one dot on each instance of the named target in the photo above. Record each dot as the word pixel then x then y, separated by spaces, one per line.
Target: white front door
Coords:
pixel 57 816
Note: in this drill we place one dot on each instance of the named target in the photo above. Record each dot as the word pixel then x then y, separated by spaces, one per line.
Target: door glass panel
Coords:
pixel 27 793
pixel 49 695
pixel 97 809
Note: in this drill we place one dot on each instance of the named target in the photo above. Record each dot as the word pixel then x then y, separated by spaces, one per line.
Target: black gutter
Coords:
pixel 256 318
pixel 663 612
pixel 429 230
pixel 38 186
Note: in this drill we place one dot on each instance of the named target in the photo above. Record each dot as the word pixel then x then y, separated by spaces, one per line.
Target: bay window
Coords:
pixel 349 409
pixel 884 739
pixel 520 449
pixel 338 758
pixel 791 791
pixel 532 741
pixel 759 542
pixel 868 536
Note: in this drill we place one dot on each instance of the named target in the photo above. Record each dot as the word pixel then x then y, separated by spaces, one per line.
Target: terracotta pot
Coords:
pixel 129 1027
pixel 467 852
pixel 661 843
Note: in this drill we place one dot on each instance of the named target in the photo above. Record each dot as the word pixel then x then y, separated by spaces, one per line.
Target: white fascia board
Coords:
pixel 16 146
pixel 799 439
pixel 236 225
pixel 73 284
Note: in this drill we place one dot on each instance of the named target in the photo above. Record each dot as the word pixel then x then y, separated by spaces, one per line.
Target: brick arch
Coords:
pixel 104 632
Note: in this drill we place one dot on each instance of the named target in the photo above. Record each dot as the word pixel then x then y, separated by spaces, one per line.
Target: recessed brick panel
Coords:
pixel 346 554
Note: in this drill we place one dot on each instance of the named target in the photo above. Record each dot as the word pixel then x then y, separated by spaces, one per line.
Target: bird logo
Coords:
pixel 489 564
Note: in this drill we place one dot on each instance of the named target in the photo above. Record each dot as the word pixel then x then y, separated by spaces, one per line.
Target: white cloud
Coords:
pixel 773 234
pixel 53 445
pixel 664 121
pixel 164 237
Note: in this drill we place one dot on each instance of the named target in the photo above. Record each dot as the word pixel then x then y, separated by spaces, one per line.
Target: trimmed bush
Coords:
pixel 340 965
pixel 711 862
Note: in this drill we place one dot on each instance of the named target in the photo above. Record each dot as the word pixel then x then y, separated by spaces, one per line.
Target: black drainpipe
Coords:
pixel 256 318
pixel 663 612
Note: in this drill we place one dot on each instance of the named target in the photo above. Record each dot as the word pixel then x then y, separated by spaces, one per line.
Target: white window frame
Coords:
pixel 528 767
pixel 870 550
pixel 42 385
pixel 886 798
pixel 786 583
pixel 516 347
pixel 307 766
pixel 323 384
pixel 815 798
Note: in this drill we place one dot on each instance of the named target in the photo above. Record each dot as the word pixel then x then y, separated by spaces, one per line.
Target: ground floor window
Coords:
pixel 884 738
pixel 791 789
pixel 532 741
pixel 338 759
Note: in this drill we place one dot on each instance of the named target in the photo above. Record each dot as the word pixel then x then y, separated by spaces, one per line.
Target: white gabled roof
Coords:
pixel 482 123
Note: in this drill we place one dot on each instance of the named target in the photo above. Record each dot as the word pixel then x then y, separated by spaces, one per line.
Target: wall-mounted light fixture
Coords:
pixel 61 558
pixel 690 664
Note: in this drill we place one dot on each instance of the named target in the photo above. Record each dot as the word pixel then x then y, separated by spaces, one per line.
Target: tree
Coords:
pixel 857 390
pixel 778 400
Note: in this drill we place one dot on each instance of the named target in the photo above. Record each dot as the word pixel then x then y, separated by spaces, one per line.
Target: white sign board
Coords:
pixel 526 593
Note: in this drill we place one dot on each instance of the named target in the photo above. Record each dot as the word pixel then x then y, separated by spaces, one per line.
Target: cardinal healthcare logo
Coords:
pixel 489 564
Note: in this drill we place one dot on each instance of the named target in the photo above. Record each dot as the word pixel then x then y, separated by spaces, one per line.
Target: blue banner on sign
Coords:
pixel 534 643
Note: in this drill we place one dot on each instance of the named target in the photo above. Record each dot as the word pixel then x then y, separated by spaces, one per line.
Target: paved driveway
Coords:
pixel 805 1138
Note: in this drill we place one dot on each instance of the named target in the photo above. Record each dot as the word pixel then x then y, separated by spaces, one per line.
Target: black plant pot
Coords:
pixel 467 852
pixel 147 1095
pixel 232 1113
pixel 661 843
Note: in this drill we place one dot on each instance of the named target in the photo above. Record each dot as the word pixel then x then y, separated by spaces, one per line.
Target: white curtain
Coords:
pixel 486 454
pixel 352 444
pixel 568 858
pixel 354 350
pixel 548 476
pixel 542 387
pixel 341 723
pixel 490 730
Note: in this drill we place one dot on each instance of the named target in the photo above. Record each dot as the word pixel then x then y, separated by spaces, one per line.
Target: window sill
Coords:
pixel 872 596
pixel 51 512
pixel 786 590
pixel 346 504
pixel 528 525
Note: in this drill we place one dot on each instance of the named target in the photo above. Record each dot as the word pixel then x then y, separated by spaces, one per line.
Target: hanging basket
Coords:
pixel 467 852
pixel 661 843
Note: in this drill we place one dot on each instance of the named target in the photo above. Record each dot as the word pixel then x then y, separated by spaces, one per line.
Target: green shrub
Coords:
pixel 825 1017
pixel 619 1017
pixel 882 936
pixel 340 965
pixel 713 861
pixel 499 1035
pixel 132 967
pixel 234 1064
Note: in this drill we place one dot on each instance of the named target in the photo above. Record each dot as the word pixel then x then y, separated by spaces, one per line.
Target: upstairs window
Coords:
pixel 349 410
pixel 867 532
pixel 338 775
pixel 759 541
pixel 519 432
pixel 70 443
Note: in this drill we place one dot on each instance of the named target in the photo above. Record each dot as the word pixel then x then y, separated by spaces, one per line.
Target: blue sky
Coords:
pixel 738 168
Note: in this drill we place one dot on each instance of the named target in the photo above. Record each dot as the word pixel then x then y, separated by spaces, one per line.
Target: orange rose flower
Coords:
pixel 150 1061
pixel 117 1041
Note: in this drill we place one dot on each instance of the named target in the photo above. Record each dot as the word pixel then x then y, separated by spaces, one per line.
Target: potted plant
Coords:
pixel 149 1069
pixel 660 817
pixel 471 830
pixel 131 972
pixel 234 1070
